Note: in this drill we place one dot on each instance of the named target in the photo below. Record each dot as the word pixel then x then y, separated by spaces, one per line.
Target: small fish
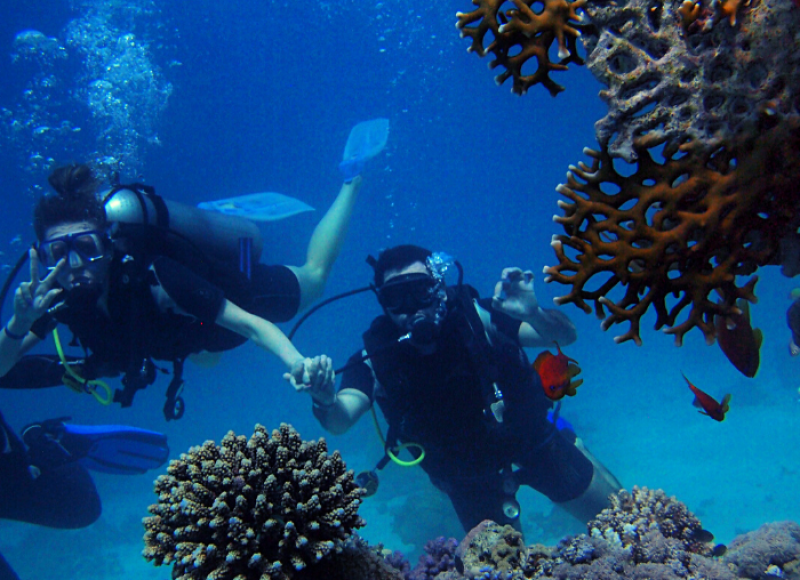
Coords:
pixel 557 373
pixel 739 341
pixel 709 404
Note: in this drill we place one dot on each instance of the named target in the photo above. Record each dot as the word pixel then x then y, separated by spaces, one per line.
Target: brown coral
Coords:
pixel 524 33
pixel 675 230
pixel 263 508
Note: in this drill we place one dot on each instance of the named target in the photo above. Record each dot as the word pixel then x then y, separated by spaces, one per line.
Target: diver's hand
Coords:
pixel 315 376
pixel 32 299
pixel 514 294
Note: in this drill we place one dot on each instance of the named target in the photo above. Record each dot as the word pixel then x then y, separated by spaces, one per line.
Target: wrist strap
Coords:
pixel 12 335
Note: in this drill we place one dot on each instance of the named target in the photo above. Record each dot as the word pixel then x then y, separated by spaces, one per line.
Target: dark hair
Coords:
pixel 75 199
pixel 398 258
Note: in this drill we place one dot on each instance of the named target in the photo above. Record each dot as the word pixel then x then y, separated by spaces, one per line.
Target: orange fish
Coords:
pixel 739 341
pixel 708 403
pixel 557 373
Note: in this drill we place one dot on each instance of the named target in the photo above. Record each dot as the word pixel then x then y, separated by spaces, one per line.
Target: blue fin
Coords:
pixel 267 206
pixel 116 449
pixel 366 140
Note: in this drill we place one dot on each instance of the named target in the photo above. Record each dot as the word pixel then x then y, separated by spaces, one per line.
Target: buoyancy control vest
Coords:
pixel 444 401
pixel 137 332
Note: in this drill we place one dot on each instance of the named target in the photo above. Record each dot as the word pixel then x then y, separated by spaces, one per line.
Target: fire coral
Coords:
pixel 523 33
pixel 675 230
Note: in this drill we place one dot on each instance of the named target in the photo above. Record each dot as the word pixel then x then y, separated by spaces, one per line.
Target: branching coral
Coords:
pixel 681 72
pixel 674 231
pixel 635 514
pixel 261 508
pixel 523 33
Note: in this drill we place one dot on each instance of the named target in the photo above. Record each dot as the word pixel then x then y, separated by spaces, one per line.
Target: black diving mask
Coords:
pixel 90 246
pixel 408 293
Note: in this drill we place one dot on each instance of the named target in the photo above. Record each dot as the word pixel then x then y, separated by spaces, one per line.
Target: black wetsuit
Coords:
pixel 440 400
pixel 137 328
pixel 38 486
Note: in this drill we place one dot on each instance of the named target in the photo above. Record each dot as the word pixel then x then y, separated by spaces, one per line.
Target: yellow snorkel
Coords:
pixel 79 384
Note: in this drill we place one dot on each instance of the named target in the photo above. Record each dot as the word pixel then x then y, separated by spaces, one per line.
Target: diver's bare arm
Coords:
pixel 325 244
pixel 344 412
pixel 260 331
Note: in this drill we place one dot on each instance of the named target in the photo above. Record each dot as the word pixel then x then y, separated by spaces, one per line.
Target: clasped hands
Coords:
pixel 315 376
pixel 514 294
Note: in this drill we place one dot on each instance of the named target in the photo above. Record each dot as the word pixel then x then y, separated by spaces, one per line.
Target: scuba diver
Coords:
pixel 44 478
pixel 139 279
pixel 450 375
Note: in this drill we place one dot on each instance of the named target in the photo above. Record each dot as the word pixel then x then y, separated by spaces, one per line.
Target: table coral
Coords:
pixel 674 230
pixel 704 79
pixel 266 507
pixel 523 33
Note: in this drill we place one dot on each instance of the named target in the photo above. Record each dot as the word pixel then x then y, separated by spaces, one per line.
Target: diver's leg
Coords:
pixel 39 487
pixel 570 476
pixel 479 499
pixel 594 498
pixel 325 245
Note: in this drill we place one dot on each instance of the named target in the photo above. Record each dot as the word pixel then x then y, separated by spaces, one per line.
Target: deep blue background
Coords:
pixel 264 95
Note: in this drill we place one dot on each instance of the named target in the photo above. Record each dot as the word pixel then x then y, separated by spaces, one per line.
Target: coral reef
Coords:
pixel 696 72
pixel 267 507
pixel 641 511
pixel 673 231
pixel 490 547
pixel 439 557
pixel 771 549
pixel 524 33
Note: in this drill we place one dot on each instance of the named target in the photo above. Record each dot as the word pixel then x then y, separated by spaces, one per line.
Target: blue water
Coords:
pixel 230 98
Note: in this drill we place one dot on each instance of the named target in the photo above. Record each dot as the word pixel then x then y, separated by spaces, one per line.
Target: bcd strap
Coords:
pixel 174 407
pixel 480 350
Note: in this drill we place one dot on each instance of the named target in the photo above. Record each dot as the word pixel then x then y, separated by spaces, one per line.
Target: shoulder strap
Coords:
pixel 473 333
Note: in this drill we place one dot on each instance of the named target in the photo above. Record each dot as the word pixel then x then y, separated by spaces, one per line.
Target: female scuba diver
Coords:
pixel 137 278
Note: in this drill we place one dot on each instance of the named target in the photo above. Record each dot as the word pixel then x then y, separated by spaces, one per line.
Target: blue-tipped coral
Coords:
pixel 267 507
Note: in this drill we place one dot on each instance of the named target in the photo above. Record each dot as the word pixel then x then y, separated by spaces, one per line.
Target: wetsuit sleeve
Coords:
pixel 44 326
pixel 191 293
pixel 503 322
pixel 358 377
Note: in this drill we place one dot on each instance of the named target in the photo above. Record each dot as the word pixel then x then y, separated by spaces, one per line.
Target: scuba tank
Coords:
pixel 217 235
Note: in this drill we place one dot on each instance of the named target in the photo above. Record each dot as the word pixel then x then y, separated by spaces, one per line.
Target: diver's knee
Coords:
pixel 595 498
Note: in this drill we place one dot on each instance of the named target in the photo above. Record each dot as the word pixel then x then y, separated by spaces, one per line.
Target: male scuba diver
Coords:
pixel 450 375
pixel 44 478
pixel 139 279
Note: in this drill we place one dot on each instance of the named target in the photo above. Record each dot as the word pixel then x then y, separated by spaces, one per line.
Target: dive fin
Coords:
pixel 267 206
pixel 366 140
pixel 116 449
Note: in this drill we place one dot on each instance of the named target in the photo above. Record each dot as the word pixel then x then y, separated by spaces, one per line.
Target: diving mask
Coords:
pixel 408 293
pixel 90 246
